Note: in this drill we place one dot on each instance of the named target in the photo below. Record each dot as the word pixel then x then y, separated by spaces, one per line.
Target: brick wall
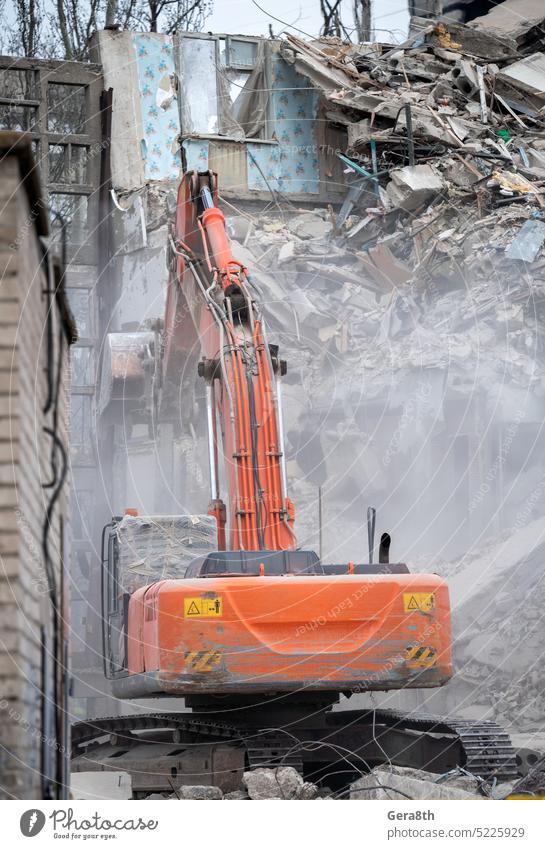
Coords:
pixel 29 747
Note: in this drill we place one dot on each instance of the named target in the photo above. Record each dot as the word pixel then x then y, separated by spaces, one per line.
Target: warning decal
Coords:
pixel 202 661
pixel 421 657
pixel 203 607
pixel 424 602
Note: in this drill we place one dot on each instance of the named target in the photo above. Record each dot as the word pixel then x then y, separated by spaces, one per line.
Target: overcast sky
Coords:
pixel 242 16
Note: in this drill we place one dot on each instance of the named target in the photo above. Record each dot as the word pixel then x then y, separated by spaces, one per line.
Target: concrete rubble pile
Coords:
pixel 394 782
pixel 500 595
pixel 387 782
pixel 451 245
pixel 283 782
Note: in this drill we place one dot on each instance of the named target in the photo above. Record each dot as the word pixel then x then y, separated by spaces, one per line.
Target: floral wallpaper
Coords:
pixel 292 165
pixel 196 154
pixel 160 123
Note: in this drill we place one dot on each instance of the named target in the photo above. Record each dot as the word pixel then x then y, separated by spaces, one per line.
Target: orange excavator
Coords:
pixel 259 637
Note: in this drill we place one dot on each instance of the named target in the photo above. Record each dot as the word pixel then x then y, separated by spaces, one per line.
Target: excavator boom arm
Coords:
pixel 242 373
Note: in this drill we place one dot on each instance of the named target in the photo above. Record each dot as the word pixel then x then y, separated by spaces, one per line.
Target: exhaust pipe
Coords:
pixel 384 548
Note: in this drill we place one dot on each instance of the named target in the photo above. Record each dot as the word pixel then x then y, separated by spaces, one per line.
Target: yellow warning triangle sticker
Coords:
pixel 413 604
pixel 193 610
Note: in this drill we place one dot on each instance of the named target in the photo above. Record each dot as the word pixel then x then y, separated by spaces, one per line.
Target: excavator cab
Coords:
pixel 138 550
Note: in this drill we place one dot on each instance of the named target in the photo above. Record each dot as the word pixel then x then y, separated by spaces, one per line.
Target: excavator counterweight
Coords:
pixel 287 633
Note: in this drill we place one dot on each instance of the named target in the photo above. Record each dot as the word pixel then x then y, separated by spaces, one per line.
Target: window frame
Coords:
pixel 217 38
pixel 86 74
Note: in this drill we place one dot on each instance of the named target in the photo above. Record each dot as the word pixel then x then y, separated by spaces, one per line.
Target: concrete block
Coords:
pixel 307 791
pixel 528 74
pixel 412 186
pixel 384 783
pixel 100 785
pixel 308 225
pixel 512 19
pixel 286 252
pixel 465 78
pixel 200 792
pixel 281 783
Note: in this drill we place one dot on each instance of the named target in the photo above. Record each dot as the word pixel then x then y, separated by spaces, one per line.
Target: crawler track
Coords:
pixel 488 750
pixel 155 747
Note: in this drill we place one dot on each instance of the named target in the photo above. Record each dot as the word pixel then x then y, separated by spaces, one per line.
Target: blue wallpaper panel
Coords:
pixel 196 154
pixel 292 165
pixel 155 59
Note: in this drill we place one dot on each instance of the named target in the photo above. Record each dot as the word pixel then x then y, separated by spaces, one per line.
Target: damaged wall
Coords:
pixel 292 166
pixel 158 106
pixel 163 90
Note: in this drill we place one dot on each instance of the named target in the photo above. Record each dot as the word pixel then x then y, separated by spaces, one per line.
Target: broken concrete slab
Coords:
pixel 280 783
pixel 286 252
pixel 383 267
pixel 528 241
pixel 458 777
pixel 515 20
pixel 426 123
pixel 308 225
pixel 527 74
pixel 414 185
pixel 121 74
pixel 385 783
pixel 490 45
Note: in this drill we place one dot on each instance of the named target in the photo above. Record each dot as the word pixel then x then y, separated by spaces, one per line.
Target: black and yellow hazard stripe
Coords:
pixel 202 661
pixel 420 657
pixel 526 797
